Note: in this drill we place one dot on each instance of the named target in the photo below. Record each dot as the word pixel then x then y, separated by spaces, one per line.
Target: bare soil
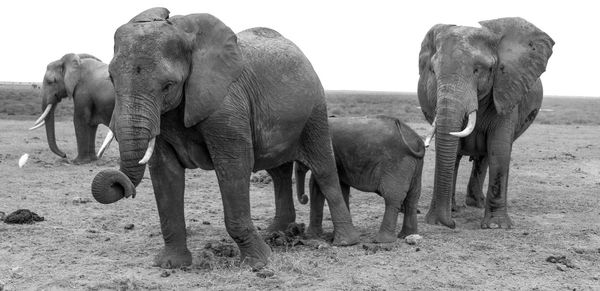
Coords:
pixel 554 200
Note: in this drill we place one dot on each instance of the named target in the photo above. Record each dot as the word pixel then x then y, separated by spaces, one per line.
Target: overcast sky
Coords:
pixel 353 45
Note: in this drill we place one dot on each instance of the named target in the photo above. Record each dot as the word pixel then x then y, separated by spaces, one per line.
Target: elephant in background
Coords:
pixel 84 78
pixel 373 154
pixel 192 94
pixel 489 78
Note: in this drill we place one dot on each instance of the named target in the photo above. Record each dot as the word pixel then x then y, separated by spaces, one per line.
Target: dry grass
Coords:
pixel 553 201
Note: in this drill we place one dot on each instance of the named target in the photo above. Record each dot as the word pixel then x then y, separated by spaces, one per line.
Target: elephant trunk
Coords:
pixel 452 108
pixel 49 122
pixel 136 133
pixel 110 185
pixel 300 172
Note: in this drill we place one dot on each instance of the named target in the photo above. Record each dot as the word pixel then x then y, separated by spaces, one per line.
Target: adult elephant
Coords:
pixel 490 77
pixel 84 78
pixel 192 94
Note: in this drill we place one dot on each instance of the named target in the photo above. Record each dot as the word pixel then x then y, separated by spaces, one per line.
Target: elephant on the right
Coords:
pixel 489 79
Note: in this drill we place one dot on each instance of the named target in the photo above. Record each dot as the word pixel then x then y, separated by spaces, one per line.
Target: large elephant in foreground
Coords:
pixel 488 78
pixel 84 78
pixel 192 94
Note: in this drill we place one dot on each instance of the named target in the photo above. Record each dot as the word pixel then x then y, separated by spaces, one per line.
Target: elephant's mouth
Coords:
pixel 464 133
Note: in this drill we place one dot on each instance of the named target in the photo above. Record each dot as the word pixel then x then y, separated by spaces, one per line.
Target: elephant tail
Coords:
pixel 419 152
pixel 300 172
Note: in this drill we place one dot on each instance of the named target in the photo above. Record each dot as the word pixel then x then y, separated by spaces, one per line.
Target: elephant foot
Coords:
pixel 314 232
pixel 474 200
pixel 171 257
pixel 434 217
pixel 255 253
pixel 495 220
pixel 385 237
pixel 280 224
pixel 345 237
pixel 83 160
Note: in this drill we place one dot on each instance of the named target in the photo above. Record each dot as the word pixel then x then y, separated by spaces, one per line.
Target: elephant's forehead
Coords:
pixel 148 37
pixel 472 41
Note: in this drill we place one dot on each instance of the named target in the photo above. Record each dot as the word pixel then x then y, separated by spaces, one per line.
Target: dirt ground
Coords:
pixel 554 199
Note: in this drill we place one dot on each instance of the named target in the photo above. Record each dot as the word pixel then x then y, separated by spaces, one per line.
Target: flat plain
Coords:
pixel 554 198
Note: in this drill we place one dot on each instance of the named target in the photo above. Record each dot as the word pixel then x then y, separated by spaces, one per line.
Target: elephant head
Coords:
pixel 60 81
pixel 466 69
pixel 160 64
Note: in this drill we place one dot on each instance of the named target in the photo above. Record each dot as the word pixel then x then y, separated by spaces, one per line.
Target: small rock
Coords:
pixel 81 200
pixel 264 273
pixel 561 268
pixel 165 274
pixel 129 226
pixel 413 239
pixel 525 233
pixel 2 215
pixel 417 249
pixel 206 222
pixel 323 246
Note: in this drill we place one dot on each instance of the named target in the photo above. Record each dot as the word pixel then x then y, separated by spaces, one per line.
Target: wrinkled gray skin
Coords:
pixel 495 71
pixel 84 78
pixel 373 154
pixel 214 100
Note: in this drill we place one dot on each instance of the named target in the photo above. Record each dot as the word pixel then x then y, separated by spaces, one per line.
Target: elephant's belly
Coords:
pixel 274 155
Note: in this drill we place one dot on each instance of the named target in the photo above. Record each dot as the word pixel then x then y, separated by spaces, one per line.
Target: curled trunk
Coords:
pixel 110 186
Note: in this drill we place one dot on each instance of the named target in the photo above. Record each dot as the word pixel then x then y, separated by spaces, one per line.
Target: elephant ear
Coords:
pixel 428 49
pixel 70 69
pixel 523 53
pixel 216 63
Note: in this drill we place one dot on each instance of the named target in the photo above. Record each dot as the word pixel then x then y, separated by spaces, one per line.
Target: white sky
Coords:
pixel 353 45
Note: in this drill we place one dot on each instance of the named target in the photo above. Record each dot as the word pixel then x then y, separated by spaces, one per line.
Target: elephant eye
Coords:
pixel 167 86
pixel 431 69
pixel 475 71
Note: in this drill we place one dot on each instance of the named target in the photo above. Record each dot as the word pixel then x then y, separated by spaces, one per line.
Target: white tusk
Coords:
pixel 109 138
pixel 431 133
pixel 470 126
pixel 43 116
pixel 149 152
pixel 38 125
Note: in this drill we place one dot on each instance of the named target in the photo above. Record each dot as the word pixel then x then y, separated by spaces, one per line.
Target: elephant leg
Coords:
pixel 346 194
pixel 317 154
pixel 411 203
pixel 393 189
pixel 168 181
pixel 475 197
pixel 284 202
pixel 317 202
pixel 230 148
pixel 85 133
pixel 499 150
pixel 456 164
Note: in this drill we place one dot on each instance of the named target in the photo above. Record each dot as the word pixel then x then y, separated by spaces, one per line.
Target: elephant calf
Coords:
pixel 373 154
